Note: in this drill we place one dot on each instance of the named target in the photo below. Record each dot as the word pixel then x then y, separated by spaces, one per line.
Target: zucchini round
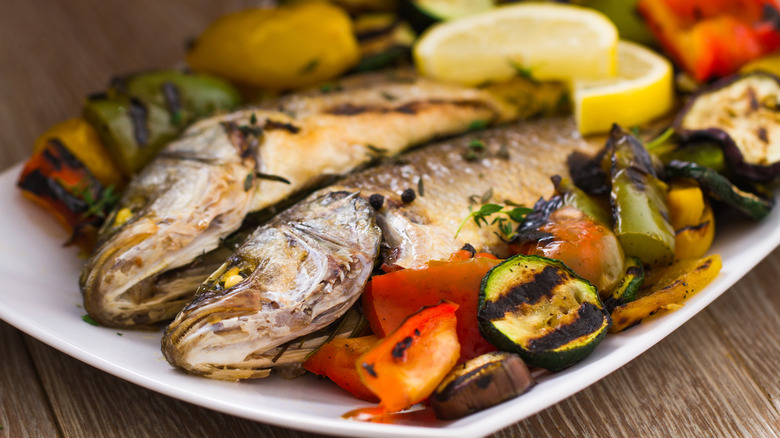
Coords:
pixel 540 309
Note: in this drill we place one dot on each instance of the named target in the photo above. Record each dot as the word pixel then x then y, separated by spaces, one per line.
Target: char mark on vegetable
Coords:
pixel 589 319
pixel 138 115
pixel 541 286
pixel 172 97
pixel 399 351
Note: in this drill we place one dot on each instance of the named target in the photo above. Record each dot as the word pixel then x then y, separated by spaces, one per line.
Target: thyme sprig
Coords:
pixel 503 217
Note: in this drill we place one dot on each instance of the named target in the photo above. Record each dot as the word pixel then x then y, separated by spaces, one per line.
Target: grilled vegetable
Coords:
pixel 56 180
pixel 82 141
pixel 186 96
pixel 692 218
pixel 573 196
pixel 670 287
pixel 336 360
pixel 278 48
pixel 480 383
pixel 406 367
pixel 741 114
pixel 632 280
pixel 638 201
pixel 132 130
pixel 394 296
pixel 589 248
pixel 384 40
pixel 713 38
pixel 141 113
pixel 717 187
pixel 423 13
pixel 540 309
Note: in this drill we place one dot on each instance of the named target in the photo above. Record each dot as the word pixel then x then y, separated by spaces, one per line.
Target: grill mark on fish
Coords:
pixel 271 125
pixel 411 108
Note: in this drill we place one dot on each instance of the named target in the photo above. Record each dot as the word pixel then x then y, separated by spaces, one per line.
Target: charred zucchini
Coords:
pixel 721 189
pixel 741 114
pixel 480 383
pixel 629 284
pixel 423 13
pixel 540 309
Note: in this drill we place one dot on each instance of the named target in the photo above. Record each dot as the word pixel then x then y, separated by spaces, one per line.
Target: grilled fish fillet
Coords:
pixel 201 186
pixel 288 288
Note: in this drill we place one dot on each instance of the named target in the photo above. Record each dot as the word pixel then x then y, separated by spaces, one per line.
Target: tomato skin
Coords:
pixel 336 360
pixel 392 297
pixel 590 249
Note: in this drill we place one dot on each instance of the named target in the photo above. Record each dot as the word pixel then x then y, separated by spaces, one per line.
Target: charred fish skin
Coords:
pixel 214 335
pixel 296 275
pixel 372 116
pixel 180 206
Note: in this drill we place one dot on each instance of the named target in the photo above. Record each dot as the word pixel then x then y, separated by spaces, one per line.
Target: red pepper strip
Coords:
pixel 392 297
pixel 55 179
pixel 336 360
pixel 712 38
pixel 405 367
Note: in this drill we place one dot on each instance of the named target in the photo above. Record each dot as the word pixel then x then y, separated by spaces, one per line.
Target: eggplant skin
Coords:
pixel 741 113
pixel 480 383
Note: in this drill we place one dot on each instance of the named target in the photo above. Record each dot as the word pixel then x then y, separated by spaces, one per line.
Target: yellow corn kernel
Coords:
pixel 233 280
pixel 122 216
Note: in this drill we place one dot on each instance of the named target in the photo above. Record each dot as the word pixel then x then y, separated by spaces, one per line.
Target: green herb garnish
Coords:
pixel 480 217
pixel 660 140
pixel 478 125
pixel 88 319
pixel 271 177
pixel 310 66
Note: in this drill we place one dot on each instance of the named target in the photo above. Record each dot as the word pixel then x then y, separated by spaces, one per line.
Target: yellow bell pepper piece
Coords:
pixel 280 48
pixel 674 284
pixel 82 140
pixel 692 219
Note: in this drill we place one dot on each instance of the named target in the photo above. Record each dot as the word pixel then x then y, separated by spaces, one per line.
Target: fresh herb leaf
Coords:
pixel 250 178
pixel 478 125
pixel 388 96
pixel 330 86
pixel 478 145
pixel 120 334
pixel 308 68
pixel 253 119
pixel 486 196
pixel 88 319
pixel 272 177
pixel 504 224
pixel 660 140
pixel 420 187
pixel 523 72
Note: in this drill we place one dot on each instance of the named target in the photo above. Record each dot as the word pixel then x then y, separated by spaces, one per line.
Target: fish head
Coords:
pixel 293 276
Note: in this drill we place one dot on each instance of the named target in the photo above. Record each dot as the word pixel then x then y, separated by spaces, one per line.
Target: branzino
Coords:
pixel 201 186
pixel 306 267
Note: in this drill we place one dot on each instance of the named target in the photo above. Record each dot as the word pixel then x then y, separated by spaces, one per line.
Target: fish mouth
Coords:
pixel 298 273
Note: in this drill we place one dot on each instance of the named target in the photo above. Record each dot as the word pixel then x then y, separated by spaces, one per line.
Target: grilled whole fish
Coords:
pixel 201 186
pixel 224 330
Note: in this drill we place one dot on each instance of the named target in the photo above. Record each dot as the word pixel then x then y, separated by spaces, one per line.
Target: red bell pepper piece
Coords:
pixel 336 360
pixel 390 298
pixel 713 38
pixel 405 367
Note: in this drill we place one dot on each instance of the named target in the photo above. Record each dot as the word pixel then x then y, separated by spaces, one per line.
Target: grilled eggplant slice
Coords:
pixel 540 309
pixel 718 187
pixel 742 114
pixel 480 383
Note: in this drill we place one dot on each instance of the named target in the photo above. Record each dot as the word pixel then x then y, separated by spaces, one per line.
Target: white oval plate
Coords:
pixel 41 297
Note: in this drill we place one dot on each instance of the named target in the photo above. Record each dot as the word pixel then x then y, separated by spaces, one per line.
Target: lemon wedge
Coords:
pixel 641 91
pixel 549 41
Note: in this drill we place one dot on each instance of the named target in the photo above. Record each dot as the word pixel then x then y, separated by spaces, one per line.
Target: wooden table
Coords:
pixel 717 375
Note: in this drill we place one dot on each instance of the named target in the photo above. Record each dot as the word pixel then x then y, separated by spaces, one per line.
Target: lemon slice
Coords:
pixel 641 91
pixel 551 41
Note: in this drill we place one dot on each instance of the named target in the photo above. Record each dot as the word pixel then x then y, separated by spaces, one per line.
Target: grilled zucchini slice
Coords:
pixel 540 309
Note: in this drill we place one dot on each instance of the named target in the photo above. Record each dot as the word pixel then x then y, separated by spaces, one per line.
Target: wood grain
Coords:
pixel 715 376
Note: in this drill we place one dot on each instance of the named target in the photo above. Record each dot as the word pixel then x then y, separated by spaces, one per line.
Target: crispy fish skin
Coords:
pixel 299 273
pixel 178 212
pixel 222 333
